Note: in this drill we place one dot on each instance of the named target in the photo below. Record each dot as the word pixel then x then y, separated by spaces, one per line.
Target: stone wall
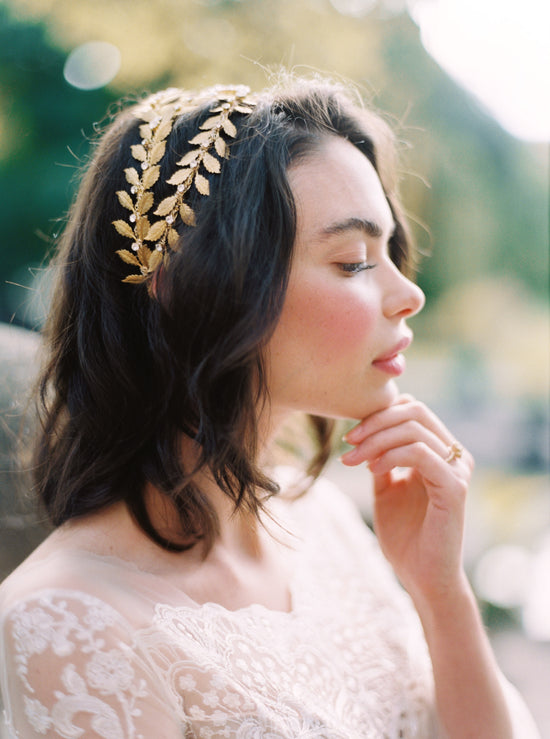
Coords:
pixel 20 528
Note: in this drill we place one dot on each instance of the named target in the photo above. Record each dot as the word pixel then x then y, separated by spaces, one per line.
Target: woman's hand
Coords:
pixel 419 499
pixel 418 509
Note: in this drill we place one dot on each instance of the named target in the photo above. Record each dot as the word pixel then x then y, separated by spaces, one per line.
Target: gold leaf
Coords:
pixel 202 185
pixel 163 131
pixel 243 109
pixel 132 176
pixel 128 257
pixel 146 202
pixel 157 152
pixel 211 163
pixel 179 176
pixel 146 114
pixel 173 238
pixel 188 159
pixel 142 227
pixel 145 131
pixel 201 138
pixel 229 128
pixel 125 200
pixel 144 254
pixel 211 123
pixel 187 215
pixel 156 231
pixel 138 152
pixel 167 115
pixel 155 260
pixel 135 279
pixel 150 176
pixel 220 146
pixel 124 229
pixel 166 206
pixel 228 93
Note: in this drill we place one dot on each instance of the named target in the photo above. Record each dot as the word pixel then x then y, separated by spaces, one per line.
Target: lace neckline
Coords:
pixel 164 590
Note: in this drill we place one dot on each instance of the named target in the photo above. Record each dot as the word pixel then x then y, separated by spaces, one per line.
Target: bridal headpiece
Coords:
pixel 153 233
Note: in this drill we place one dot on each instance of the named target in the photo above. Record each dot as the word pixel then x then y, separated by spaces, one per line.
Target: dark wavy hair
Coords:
pixel 127 374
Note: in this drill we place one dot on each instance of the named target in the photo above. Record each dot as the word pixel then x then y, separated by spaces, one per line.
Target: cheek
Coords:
pixel 331 323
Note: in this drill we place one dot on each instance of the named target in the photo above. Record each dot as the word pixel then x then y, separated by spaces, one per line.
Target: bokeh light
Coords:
pixel 92 65
pixel 501 576
pixel 354 8
pixel 536 610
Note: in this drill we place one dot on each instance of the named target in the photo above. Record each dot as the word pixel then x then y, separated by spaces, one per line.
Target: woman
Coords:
pixel 232 260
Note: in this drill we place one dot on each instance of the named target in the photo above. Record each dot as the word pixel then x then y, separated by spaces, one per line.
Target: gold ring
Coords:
pixel 454 452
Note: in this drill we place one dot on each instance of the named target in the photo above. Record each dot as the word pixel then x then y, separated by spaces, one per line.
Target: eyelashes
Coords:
pixel 353 268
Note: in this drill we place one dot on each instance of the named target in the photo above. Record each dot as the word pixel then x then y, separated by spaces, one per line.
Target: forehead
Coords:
pixel 335 184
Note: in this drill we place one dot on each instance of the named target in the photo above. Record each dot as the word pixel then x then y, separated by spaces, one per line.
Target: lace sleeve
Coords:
pixel 71 668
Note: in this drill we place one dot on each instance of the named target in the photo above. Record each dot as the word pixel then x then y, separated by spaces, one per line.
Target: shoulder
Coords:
pixel 55 570
pixel 73 584
pixel 48 625
pixel 52 604
pixel 71 664
pixel 72 658
pixel 81 557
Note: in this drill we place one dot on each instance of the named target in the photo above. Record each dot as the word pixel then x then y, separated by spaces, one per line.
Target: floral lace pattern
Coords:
pixel 124 656
pixel 50 627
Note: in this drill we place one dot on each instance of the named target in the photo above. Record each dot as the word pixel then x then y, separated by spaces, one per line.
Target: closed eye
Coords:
pixel 354 267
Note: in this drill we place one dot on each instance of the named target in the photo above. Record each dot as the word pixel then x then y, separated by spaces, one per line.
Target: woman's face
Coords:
pixel 336 349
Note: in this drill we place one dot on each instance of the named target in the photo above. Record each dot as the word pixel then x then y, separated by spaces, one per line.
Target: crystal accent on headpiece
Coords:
pixel 159 114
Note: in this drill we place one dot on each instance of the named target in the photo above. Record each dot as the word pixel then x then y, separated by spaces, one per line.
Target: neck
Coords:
pixel 239 529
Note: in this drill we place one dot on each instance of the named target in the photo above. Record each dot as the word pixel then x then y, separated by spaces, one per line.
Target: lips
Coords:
pixel 393 362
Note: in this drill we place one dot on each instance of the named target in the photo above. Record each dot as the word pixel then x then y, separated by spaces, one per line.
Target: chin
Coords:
pixel 377 401
pixel 359 408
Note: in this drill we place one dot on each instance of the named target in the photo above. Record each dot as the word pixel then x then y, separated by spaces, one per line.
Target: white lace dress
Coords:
pixel 93 647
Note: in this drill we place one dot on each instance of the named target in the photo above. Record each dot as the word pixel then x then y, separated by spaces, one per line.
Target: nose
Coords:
pixel 402 298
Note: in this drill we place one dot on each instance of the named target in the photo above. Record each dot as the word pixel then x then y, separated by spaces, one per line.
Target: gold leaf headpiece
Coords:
pixel 151 237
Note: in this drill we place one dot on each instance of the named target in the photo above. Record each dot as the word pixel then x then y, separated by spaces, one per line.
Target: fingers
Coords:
pixel 446 488
pixel 431 467
pixel 406 434
pixel 405 408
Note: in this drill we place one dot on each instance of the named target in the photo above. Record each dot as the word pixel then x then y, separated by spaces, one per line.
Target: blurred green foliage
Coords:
pixel 42 121
pixel 481 192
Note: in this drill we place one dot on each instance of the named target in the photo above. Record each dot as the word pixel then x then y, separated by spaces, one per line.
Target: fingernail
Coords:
pixel 347 457
pixel 351 434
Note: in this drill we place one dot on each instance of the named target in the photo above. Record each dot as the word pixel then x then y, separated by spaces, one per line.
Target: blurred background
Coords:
pixel 465 84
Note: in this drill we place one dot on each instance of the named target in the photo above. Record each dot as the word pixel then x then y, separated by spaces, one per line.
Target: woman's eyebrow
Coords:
pixel 370 228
